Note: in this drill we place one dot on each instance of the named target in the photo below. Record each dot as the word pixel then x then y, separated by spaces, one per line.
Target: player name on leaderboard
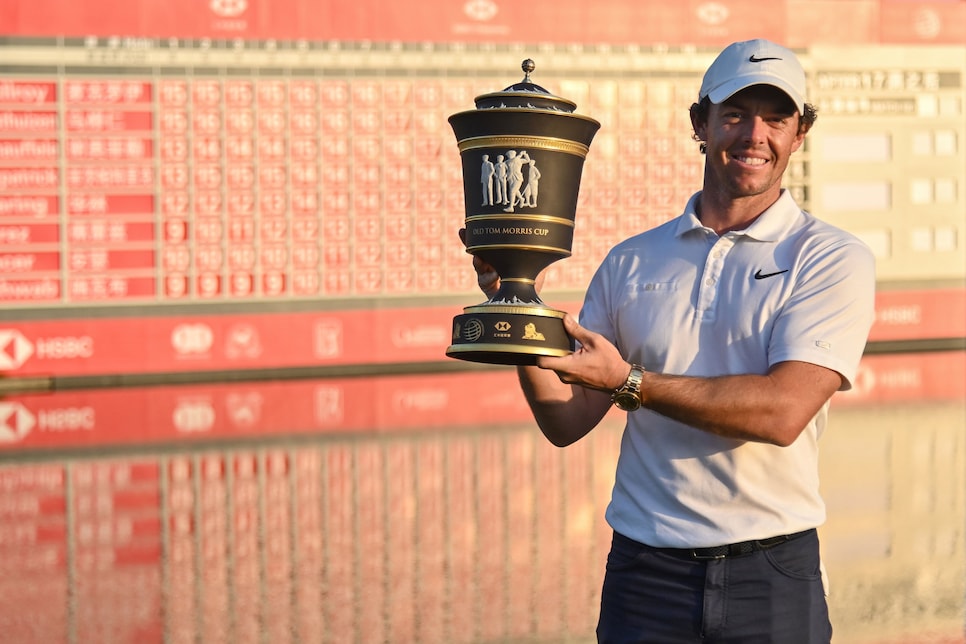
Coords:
pixel 77 184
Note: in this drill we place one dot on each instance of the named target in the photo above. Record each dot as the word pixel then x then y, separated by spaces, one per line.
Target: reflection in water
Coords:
pixel 472 530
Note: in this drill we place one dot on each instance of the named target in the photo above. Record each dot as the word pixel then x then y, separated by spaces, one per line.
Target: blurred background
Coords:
pixel 229 266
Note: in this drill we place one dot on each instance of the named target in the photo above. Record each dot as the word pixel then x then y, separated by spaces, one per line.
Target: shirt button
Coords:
pixel 709 281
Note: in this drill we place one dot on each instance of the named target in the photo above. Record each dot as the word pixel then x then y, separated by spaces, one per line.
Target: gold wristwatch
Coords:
pixel 628 396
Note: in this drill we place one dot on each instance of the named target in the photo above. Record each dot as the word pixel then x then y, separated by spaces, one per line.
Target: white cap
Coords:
pixel 754 62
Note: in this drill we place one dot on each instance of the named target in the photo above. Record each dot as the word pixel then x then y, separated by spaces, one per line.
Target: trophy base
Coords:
pixel 511 334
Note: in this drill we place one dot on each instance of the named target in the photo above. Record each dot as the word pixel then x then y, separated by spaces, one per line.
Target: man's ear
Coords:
pixel 697 123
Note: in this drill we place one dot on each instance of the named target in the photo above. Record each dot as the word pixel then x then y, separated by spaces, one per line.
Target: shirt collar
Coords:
pixel 769 227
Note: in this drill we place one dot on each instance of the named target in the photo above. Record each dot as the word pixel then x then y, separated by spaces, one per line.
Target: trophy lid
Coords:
pixel 525 94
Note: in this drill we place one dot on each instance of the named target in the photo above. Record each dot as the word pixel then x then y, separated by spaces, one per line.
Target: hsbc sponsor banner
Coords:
pixel 571 21
pixel 927 314
pixel 236 410
pixel 204 343
pixel 919 315
pixel 62 348
pixel 919 377
pixel 152 415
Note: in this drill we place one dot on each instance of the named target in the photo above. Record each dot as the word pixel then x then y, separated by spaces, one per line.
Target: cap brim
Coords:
pixel 733 86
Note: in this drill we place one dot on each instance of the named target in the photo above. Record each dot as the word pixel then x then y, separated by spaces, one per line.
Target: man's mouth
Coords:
pixel 750 160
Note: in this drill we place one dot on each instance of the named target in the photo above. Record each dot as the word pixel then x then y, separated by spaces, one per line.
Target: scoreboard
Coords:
pixel 196 188
pixel 218 177
pixel 183 172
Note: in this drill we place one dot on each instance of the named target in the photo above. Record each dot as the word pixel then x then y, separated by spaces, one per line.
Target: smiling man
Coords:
pixel 723 334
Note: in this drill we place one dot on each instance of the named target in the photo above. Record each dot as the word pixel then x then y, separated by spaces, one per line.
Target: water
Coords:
pixel 228 513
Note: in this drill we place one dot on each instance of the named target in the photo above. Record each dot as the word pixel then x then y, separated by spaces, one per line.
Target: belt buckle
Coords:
pixel 701 556
pixel 765 544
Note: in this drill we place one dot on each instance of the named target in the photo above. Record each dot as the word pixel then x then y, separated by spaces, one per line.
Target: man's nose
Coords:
pixel 755 129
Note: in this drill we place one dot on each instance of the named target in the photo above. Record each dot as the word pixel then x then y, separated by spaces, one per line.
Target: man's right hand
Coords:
pixel 489 280
pixel 486 276
pixel 596 364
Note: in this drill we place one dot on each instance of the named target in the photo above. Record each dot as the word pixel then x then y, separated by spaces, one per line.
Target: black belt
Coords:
pixel 731 549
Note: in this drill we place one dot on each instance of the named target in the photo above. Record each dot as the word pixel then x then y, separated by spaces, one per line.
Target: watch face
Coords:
pixel 627 401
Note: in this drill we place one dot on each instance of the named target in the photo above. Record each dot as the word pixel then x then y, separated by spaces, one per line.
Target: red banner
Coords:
pixel 401 403
pixel 323 338
pixel 237 410
pixel 919 315
pixel 224 342
pixel 693 22
pixel 939 21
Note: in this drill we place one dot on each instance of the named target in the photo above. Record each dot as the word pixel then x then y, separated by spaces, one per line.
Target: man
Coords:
pixel 723 333
pixel 514 164
pixel 487 173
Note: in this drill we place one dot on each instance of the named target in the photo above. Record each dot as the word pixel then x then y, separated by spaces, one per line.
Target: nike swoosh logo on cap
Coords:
pixel 760 276
pixel 755 59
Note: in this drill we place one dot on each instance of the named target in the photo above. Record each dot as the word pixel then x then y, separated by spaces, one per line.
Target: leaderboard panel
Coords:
pixel 889 154
pixel 125 183
pixel 191 171
pixel 194 171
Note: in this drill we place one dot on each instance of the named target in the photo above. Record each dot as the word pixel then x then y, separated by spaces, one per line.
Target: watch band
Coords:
pixel 628 395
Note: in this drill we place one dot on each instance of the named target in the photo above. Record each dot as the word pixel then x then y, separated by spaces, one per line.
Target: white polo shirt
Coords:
pixel 679 299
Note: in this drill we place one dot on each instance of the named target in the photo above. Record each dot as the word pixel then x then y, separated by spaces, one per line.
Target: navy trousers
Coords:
pixel 662 596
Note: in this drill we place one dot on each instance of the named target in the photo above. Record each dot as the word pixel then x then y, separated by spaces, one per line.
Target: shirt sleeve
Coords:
pixel 595 313
pixel 828 318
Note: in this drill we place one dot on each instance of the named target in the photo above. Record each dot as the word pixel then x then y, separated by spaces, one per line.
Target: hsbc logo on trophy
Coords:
pixel 15 349
pixel 15 422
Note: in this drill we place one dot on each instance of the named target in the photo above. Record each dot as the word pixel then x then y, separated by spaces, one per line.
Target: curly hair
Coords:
pixel 700 112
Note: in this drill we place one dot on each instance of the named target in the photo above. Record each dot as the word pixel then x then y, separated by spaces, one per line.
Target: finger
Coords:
pixel 486 277
pixel 483 269
pixel 574 330
pixel 553 363
pixel 481 266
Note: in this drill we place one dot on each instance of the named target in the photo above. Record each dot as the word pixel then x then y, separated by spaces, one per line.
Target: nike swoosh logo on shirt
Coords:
pixel 760 276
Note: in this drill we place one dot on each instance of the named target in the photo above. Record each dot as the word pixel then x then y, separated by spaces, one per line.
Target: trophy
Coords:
pixel 522 152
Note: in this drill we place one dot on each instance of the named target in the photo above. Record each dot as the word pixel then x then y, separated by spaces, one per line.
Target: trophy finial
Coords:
pixel 524 95
pixel 527 66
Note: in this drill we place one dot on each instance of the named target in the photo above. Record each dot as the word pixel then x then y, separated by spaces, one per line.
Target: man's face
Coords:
pixel 750 138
